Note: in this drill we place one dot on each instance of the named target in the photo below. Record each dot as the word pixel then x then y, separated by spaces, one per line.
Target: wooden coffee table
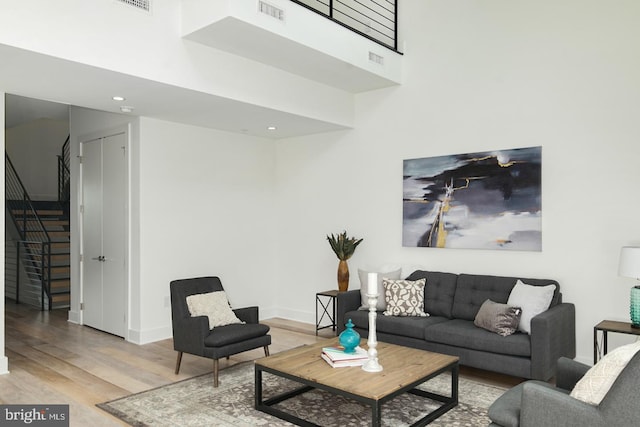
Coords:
pixel 404 369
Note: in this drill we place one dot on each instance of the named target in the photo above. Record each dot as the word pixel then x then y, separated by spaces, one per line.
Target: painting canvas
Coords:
pixel 489 200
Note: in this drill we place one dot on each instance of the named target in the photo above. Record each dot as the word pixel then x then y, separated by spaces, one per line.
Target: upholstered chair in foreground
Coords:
pixel 205 325
pixel 540 404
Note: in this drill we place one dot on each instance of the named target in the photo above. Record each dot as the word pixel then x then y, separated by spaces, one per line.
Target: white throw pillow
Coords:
pixel 215 306
pixel 595 384
pixel 532 299
pixel 364 286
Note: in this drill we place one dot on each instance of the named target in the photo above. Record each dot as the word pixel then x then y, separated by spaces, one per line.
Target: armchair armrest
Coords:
pixel 346 301
pixel 553 335
pixel 247 314
pixel 569 372
pixel 189 334
pixel 547 407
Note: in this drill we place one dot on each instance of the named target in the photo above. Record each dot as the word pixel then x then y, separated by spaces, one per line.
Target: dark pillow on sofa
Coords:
pixel 502 319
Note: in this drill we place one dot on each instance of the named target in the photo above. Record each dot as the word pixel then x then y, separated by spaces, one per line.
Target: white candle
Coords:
pixel 372 288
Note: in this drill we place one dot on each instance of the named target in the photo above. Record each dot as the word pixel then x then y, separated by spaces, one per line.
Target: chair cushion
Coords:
pixel 230 334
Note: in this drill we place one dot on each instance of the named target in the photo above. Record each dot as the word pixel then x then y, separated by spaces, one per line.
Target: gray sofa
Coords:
pixel 452 301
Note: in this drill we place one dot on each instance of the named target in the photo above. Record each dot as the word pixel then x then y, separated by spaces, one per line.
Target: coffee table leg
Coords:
pixel 454 384
pixel 376 414
pixel 258 387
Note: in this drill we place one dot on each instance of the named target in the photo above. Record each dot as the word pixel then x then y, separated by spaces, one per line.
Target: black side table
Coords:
pixel 610 326
pixel 327 304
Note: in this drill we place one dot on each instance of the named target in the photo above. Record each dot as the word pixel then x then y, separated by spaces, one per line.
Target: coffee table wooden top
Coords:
pixel 402 367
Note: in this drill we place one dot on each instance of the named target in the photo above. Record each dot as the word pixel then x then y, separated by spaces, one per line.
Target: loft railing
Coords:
pixel 376 20
pixel 64 192
pixel 34 248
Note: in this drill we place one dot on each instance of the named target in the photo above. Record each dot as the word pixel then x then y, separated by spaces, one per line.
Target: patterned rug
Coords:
pixel 194 402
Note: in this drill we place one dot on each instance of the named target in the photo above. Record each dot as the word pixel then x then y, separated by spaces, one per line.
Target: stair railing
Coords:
pixel 64 192
pixel 35 240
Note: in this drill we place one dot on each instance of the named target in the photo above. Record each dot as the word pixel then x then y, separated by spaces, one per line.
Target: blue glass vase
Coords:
pixel 349 338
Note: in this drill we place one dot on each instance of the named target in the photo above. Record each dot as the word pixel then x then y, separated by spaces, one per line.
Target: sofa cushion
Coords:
pixel 438 292
pixel 412 327
pixel 501 319
pixel 532 299
pixel 404 297
pixel 463 333
pixel 473 289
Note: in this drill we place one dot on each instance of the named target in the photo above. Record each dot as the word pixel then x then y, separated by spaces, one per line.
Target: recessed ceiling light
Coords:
pixel 126 109
pixel 118 98
pixel 272 128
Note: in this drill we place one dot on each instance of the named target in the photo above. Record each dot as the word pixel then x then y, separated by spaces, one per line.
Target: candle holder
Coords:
pixel 372 365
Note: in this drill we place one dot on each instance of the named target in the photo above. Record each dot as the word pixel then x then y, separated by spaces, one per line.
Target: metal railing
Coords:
pixel 64 191
pixel 35 254
pixel 376 20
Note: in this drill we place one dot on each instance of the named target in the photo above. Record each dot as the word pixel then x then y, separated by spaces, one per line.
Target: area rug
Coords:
pixel 195 402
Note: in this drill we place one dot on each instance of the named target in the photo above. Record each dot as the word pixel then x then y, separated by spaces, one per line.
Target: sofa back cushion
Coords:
pixel 472 290
pixel 439 291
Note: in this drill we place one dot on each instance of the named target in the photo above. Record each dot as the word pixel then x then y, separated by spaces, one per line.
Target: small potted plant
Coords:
pixel 344 247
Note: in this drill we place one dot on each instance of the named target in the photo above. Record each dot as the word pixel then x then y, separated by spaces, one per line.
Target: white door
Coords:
pixel 104 232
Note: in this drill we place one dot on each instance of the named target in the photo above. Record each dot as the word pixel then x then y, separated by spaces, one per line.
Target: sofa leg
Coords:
pixel 215 372
pixel 178 361
pixel 266 351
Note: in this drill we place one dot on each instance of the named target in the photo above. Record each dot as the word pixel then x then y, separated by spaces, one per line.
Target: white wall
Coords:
pixel 207 209
pixel 479 77
pixel 33 148
pixel 4 362
pixel 111 35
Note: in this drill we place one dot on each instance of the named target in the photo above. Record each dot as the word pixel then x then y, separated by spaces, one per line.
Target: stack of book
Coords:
pixel 337 358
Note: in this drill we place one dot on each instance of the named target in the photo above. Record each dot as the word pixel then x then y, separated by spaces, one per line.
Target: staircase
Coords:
pixel 47 265
pixel 37 247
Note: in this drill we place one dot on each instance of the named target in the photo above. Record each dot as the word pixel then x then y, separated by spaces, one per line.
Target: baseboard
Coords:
pixel 149 336
pixel 74 317
pixel 291 314
pixel 4 365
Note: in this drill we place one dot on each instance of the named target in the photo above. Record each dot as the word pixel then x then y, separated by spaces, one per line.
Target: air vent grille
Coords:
pixel 140 4
pixel 374 57
pixel 271 10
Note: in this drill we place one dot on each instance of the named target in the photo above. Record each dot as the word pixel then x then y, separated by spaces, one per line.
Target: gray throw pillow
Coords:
pixel 381 305
pixel 502 319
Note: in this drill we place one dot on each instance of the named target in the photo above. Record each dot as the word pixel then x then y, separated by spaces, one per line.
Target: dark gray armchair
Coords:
pixel 192 334
pixel 539 404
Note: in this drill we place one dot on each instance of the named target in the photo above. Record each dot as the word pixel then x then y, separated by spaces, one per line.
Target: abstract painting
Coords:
pixel 489 200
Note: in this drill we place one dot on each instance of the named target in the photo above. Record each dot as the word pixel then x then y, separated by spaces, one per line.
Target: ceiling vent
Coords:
pixel 271 10
pixel 140 4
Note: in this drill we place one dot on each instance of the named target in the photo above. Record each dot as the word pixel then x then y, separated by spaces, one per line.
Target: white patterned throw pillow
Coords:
pixel 215 306
pixel 404 297
pixel 595 384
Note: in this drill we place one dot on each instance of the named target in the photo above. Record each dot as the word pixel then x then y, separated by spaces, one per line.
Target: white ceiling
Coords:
pixel 42 77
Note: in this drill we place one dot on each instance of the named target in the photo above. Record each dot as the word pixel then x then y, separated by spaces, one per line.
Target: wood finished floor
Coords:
pixel 52 361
